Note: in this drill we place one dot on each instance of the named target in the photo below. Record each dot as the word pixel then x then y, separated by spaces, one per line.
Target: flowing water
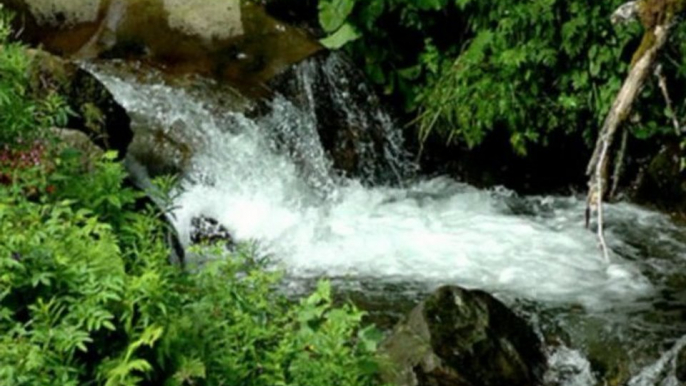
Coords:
pixel 268 179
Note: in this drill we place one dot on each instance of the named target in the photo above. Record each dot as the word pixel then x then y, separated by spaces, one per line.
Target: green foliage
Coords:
pixel 341 37
pixel 22 116
pixel 531 67
pixel 87 296
pixel 332 17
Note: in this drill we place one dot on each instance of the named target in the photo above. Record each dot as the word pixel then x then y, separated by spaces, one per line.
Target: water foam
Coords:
pixel 268 179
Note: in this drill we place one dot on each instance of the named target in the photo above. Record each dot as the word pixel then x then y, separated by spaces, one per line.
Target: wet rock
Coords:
pixel 207 230
pixel 98 115
pixel 463 338
pixel 234 41
pixel 358 135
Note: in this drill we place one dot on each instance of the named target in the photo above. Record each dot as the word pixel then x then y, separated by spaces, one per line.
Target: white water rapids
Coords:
pixel 427 232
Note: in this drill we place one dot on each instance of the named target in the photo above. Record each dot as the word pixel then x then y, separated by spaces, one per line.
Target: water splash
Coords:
pixel 567 367
pixel 267 178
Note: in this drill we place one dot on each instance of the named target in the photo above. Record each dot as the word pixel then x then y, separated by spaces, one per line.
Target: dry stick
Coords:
pixel 621 108
pixel 665 93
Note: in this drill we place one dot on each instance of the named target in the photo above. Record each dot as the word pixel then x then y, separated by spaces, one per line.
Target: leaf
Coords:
pixel 369 338
pixel 343 36
pixel 333 13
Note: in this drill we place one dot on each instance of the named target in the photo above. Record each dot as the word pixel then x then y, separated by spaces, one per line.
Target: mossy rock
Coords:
pixel 458 337
pixel 96 113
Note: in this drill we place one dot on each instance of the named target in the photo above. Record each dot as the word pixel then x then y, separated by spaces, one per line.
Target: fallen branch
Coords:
pixel 657 25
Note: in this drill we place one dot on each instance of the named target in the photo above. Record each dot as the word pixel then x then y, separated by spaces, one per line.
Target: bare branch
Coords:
pixel 644 60
pixel 662 81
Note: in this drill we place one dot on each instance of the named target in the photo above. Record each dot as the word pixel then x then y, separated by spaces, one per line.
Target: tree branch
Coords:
pixel 662 82
pixel 657 23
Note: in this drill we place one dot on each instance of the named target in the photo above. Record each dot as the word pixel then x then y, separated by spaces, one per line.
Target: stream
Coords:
pixel 267 178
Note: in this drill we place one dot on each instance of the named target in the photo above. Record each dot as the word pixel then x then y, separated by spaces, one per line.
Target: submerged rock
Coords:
pixel 228 39
pixel 458 337
pixel 98 115
pixel 205 230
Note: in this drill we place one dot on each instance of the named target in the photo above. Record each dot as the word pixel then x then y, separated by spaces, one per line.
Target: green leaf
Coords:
pixel 343 36
pixel 333 13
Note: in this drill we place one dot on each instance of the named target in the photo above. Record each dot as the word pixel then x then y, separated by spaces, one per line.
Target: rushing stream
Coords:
pixel 268 179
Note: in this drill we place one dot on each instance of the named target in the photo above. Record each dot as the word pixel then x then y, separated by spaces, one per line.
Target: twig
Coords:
pixel 665 93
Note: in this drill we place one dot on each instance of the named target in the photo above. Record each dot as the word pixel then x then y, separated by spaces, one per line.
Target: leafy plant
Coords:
pixel 465 68
pixel 23 118
pixel 88 296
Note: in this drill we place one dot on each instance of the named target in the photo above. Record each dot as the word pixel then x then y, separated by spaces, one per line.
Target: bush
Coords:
pixel 23 117
pixel 464 68
pixel 87 296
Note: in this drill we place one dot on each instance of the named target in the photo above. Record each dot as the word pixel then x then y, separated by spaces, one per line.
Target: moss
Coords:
pixel 653 13
pixel 656 12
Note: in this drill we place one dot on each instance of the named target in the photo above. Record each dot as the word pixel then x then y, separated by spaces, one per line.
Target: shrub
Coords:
pixel 87 296
pixel 23 117
pixel 464 68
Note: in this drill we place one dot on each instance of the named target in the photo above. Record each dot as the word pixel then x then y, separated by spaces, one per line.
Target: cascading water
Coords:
pixel 269 179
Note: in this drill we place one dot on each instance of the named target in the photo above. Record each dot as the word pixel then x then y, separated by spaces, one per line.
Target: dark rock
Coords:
pixel 663 183
pixel 557 167
pixel 463 338
pixel 98 115
pixel 360 138
pixel 208 231
pixel 303 13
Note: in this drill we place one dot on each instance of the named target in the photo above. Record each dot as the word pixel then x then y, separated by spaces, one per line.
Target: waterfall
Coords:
pixel 266 177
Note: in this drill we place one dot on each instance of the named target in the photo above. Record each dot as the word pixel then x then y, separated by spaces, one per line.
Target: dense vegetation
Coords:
pixel 464 68
pixel 88 295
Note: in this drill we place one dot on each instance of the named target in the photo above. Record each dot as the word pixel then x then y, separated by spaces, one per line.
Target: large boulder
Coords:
pixel 232 40
pixel 458 337
pixel 96 113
